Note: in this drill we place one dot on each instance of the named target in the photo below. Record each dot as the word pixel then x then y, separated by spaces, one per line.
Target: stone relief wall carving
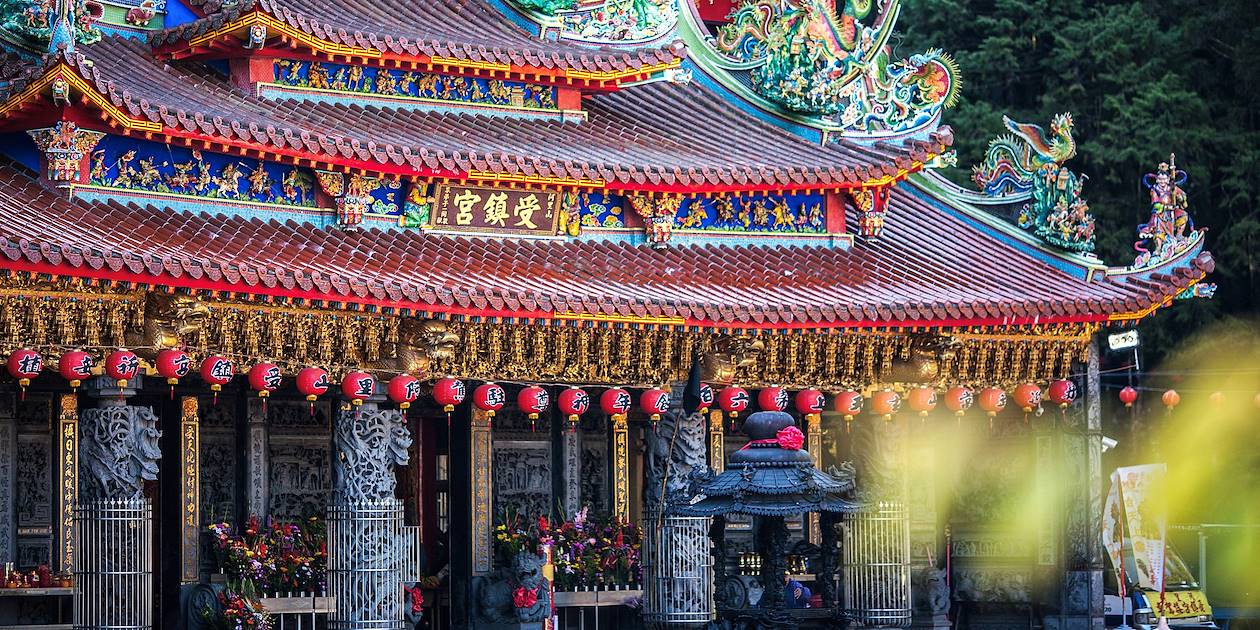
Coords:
pixel 595 475
pixel 33 483
pixel 522 477
pixel 8 437
pixel 300 477
pixel 218 477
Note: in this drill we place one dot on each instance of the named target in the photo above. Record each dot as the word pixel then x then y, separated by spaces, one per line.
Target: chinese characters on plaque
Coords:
pixel 497 210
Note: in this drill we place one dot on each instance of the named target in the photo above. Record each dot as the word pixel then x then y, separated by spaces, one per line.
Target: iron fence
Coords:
pixel 877 566
pixel 366 556
pixel 677 572
pixel 113 568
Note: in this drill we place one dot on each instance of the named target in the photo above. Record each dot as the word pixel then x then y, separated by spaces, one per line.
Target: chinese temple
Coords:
pixel 381 315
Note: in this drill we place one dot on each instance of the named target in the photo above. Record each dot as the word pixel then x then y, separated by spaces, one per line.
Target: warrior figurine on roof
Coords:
pixel 1164 234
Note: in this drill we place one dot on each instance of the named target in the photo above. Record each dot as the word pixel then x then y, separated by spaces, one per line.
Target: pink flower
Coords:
pixel 791 438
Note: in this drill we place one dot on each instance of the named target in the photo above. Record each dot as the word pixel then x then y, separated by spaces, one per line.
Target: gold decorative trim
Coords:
pixel 621 467
pixel 813 444
pixel 482 489
pixel 190 490
pixel 68 478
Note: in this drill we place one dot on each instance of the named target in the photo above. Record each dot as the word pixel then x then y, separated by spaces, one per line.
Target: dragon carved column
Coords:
pixel 367 547
pixel 118 452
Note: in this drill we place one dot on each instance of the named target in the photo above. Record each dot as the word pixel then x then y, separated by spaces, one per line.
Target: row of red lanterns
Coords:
pixel 404 389
pixel 1170 398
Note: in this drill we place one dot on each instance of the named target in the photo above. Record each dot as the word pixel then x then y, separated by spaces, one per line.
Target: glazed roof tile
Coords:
pixel 929 268
pixel 655 136
pixel 468 30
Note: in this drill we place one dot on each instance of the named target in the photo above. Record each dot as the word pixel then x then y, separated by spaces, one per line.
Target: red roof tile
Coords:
pixel 929 268
pixel 468 30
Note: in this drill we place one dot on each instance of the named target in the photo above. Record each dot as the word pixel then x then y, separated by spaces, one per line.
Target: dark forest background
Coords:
pixel 1142 79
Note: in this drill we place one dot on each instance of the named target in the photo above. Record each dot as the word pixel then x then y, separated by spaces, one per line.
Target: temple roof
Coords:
pixel 659 136
pixel 466 30
pixel 930 268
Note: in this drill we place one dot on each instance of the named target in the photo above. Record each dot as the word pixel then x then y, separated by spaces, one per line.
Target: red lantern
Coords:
pixel 358 386
pixel 849 403
pixel 959 400
pixel 1171 399
pixel 404 389
pixel 217 371
pixel 810 402
pixel 1028 397
pixel 1128 396
pixel 312 382
pixel 992 400
pixel 707 398
pixel 173 364
pixel 573 402
pixel 449 392
pixel 733 400
pixel 533 400
pixel 122 365
pixel 923 400
pixel 24 365
pixel 616 402
pixel 772 399
pixel 265 378
pixel 885 403
pixel 490 398
pixel 75 366
pixel 655 402
pixel 1063 393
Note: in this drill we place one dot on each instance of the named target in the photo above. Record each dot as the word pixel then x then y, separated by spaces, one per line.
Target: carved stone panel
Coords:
pixel 522 477
pixel 219 484
pixel 300 478
pixel 8 438
pixel 369 443
pixel 34 481
pixel 595 475
pixel 118 447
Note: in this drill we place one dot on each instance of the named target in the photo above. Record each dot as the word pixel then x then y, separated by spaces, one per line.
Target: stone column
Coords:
pixel 190 490
pixel 1080 469
pixel 571 460
pixel 8 452
pixel 931 597
pixel 67 477
pixel 813 445
pixel 257 468
pixel 481 464
pixel 118 452
pixel 367 547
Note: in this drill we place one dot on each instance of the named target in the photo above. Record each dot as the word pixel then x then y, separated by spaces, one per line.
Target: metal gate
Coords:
pixel 877 566
pixel 366 554
pixel 113 566
pixel 678 572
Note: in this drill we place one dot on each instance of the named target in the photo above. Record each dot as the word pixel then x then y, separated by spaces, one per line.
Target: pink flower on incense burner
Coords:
pixel 790 438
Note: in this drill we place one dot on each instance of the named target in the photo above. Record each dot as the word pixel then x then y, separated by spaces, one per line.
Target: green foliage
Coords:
pixel 1143 78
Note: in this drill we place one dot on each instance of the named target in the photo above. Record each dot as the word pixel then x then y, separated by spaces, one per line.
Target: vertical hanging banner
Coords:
pixel 1113 531
pixel 190 487
pixel 1146 520
pixel 68 478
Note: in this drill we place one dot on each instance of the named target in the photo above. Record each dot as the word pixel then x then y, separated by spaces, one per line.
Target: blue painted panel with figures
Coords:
pixel 801 212
pixel 349 79
pixel 129 164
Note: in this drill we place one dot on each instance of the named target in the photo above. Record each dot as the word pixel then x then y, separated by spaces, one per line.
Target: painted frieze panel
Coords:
pixel 126 164
pixel 799 213
pixel 413 85
pixel 358 195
